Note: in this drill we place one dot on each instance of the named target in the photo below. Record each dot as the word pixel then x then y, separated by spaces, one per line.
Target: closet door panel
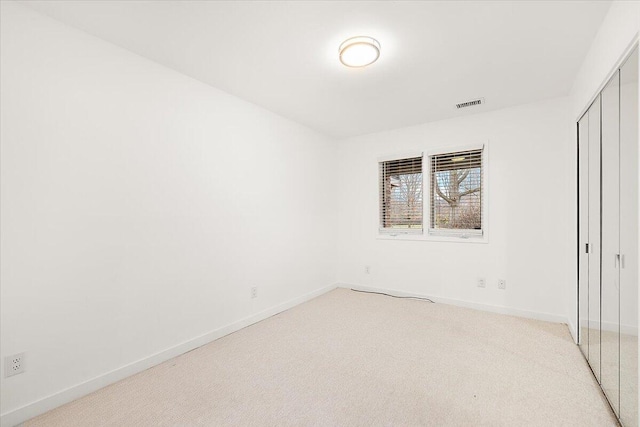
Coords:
pixel 583 234
pixel 629 241
pixel 610 292
pixel 594 237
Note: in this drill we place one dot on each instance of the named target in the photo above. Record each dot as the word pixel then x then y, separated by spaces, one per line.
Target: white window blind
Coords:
pixel 401 195
pixel 456 193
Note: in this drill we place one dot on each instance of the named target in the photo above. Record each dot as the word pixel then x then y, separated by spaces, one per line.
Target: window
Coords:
pixel 456 193
pixel 401 195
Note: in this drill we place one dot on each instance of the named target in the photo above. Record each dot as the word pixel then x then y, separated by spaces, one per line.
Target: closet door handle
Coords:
pixel 617 261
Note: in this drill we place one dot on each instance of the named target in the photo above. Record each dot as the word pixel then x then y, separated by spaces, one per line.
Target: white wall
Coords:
pixel 138 208
pixel 615 37
pixel 529 209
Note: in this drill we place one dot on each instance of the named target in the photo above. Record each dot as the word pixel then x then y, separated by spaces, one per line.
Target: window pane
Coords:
pixel 401 194
pixel 456 188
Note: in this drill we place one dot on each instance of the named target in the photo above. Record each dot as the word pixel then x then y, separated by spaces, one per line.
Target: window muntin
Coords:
pixel 401 195
pixel 456 205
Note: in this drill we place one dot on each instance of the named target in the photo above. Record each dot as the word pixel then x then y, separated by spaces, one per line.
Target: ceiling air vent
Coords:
pixel 470 103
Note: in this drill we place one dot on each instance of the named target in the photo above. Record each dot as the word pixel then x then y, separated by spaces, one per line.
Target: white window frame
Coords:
pixel 428 234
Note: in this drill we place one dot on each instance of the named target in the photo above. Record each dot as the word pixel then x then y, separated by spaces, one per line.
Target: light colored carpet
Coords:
pixel 354 359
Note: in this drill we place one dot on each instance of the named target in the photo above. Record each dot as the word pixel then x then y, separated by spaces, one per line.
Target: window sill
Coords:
pixel 432 238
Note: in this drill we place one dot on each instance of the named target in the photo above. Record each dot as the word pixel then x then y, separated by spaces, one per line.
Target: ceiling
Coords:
pixel 283 56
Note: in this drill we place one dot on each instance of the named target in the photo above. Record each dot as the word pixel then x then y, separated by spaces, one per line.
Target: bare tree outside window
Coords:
pixel 401 194
pixel 456 190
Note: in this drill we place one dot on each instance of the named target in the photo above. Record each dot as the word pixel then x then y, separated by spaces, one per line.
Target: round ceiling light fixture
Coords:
pixel 359 51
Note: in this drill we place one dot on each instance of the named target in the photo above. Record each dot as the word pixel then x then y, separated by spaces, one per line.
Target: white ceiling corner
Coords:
pixel 284 55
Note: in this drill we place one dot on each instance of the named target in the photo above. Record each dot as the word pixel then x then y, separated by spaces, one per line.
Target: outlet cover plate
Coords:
pixel 482 283
pixel 14 364
pixel 254 292
pixel 502 284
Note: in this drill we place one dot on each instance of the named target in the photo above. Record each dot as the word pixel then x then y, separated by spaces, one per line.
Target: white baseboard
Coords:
pixel 19 415
pixel 573 330
pixel 538 315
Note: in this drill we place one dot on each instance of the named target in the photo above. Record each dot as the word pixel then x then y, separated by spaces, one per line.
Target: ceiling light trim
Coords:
pixel 359 42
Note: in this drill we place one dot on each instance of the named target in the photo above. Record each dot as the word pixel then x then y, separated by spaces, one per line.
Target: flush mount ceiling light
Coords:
pixel 359 51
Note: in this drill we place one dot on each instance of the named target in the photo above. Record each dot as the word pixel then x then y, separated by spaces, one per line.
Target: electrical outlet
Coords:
pixel 481 283
pixel 14 365
pixel 367 269
pixel 254 292
pixel 502 284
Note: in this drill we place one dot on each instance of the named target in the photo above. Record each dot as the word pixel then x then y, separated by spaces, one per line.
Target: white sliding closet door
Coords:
pixel 610 293
pixel 608 233
pixel 583 237
pixel 594 237
pixel 629 241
